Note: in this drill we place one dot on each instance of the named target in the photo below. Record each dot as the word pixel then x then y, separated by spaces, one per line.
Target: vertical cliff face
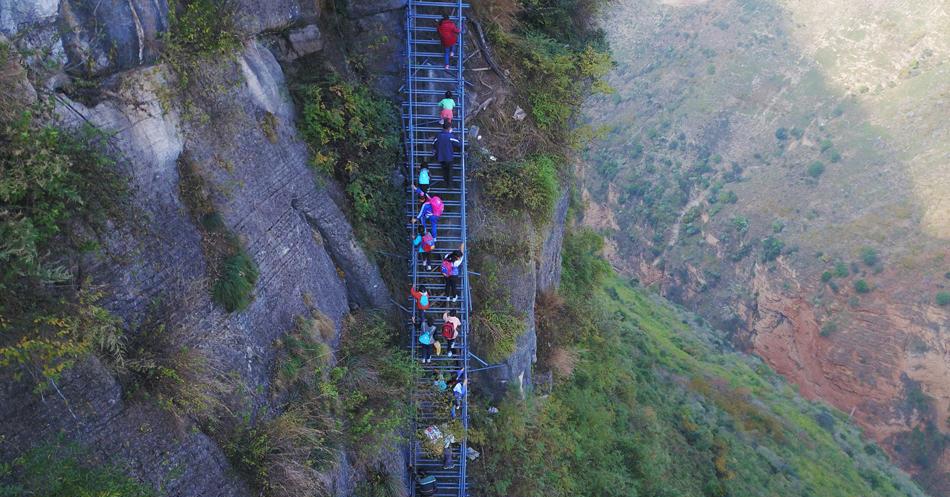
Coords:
pixel 240 142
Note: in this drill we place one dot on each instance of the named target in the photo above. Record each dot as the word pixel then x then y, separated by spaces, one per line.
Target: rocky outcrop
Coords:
pixel 239 133
pixel 106 36
pixel 137 437
pixel 549 261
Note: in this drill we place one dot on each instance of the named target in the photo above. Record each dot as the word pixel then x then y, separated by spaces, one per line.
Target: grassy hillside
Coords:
pixel 650 401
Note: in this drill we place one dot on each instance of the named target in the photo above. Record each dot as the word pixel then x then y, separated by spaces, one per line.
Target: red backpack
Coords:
pixel 448 331
pixel 427 244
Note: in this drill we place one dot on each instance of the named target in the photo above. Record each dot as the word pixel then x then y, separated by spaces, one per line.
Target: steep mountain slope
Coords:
pixel 650 401
pixel 782 168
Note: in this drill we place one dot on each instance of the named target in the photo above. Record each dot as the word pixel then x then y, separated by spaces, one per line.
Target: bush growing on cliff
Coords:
pixel 56 188
pixel 943 298
pixel 198 30
pixel 232 271
pixel 772 248
pixel 353 136
pixel 862 286
pixel 530 185
pixel 60 469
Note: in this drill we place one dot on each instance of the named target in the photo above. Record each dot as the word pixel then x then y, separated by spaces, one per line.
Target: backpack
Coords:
pixel 426 338
pixel 448 331
pixel 424 300
pixel 424 177
pixel 427 485
pixel 438 347
pixel 437 206
pixel 427 242
pixel 448 268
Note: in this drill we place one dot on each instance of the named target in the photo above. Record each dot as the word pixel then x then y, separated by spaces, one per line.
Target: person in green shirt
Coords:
pixel 446 106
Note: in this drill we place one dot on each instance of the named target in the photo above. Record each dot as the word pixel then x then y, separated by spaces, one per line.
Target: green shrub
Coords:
pixel 60 469
pixel 841 270
pixel 826 144
pixel 56 188
pixel 869 256
pixel 728 197
pixel 943 298
pixel 741 224
pixel 583 269
pixel 199 31
pixel 829 328
pixel 47 178
pixel 781 134
pixel 234 287
pixel 862 286
pixel 531 185
pixel 772 248
pixel 826 276
pixel 816 169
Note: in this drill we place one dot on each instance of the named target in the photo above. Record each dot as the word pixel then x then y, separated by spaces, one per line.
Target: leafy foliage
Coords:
pixel 943 298
pixel 199 30
pixel 59 469
pixel 530 185
pixel 862 286
pixel 54 187
pixel 772 248
pixel 352 137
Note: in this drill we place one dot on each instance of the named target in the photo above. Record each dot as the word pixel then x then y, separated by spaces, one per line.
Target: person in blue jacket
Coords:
pixel 445 144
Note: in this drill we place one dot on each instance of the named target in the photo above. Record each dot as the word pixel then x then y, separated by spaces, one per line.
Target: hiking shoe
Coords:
pixel 450 353
pixel 447 67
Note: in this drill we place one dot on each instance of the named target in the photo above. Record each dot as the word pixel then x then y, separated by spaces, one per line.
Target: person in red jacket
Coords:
pixel 448 33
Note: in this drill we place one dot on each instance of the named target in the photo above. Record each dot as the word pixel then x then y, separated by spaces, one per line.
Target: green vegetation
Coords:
pixel 829 328
pixel 862 286
pixel 496 324
pixel 56 190
pixel 530 186
pixel 199 31
pixel 554 53
pixel 841 270
pixel 816 169
pixel 59 469
pixel 826 276
pixel 869 256
pixel 943 298
pixel 355 403
pixel 772 248
pixel 353 136
pixel 232 271
pixel 235 285
pixel 646 404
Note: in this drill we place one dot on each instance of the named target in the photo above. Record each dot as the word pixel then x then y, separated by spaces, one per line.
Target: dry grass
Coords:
pixel 298 438
pixel 562 361
pixel 503 13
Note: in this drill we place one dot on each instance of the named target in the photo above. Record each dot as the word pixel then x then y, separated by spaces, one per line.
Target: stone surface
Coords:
pixel 138 437
pixel 364 8
pixel 255 16
pixel 17 14
pixel 305 40
pixel 102 37
pixel 549 263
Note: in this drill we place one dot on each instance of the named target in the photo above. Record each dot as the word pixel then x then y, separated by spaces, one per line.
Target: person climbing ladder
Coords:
pixel 444 146
pixel 448 34
pixel 450 269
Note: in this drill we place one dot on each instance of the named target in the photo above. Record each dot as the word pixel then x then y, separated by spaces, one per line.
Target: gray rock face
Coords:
pixel 305 40
pixel 382 40
pixel 255 16
pixel 141 439
pixel 363 8
pixel 102 37
pixel 17 14
pixel 549 263
pixel 266 193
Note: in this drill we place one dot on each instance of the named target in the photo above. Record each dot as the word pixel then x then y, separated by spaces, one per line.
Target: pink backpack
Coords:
pixel 437 206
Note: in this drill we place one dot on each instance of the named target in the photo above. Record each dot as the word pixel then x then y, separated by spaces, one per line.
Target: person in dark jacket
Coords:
pixel 448 34
pixel 444 147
